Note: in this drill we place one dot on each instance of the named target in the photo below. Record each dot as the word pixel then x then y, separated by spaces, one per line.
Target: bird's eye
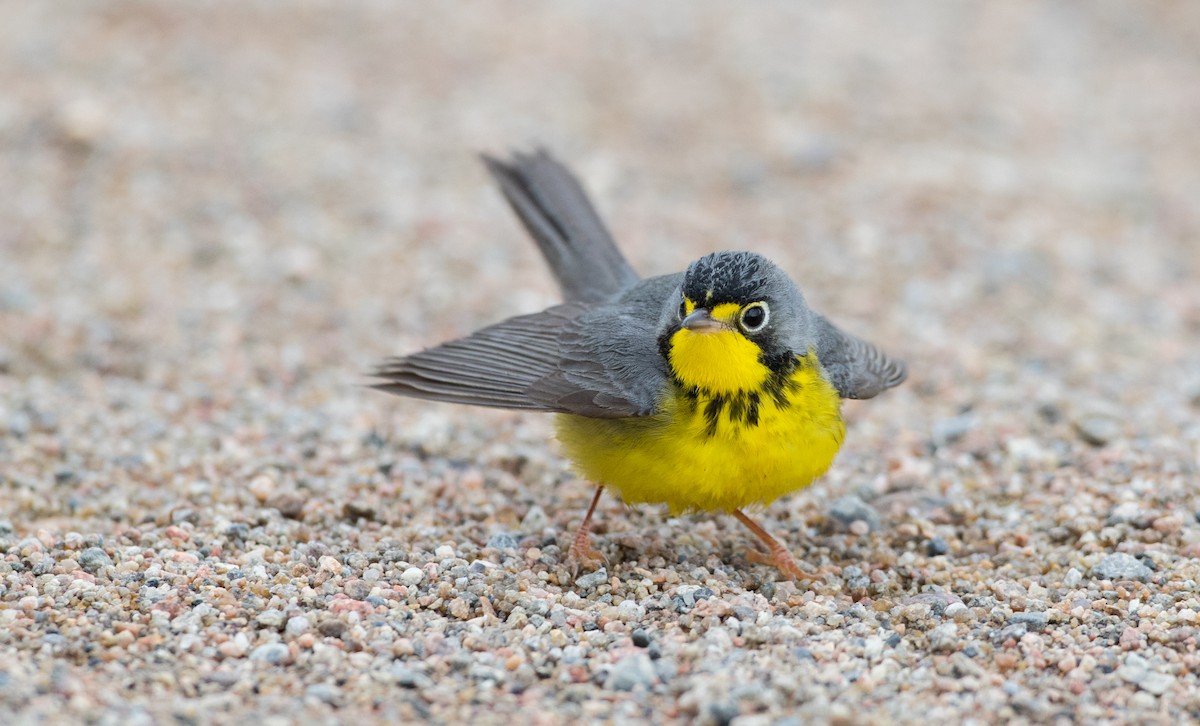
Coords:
pixel 683 311
pixel 754 316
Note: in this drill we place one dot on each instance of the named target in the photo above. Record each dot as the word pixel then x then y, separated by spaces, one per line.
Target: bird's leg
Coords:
pixel 581 547
pixel 776 553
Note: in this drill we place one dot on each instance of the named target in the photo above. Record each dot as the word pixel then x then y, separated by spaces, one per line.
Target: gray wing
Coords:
pixel 855 367
pixel 601 363
pixel 570 234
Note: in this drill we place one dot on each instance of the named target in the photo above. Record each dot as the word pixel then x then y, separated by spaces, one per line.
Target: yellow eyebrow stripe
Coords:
pixel 726 312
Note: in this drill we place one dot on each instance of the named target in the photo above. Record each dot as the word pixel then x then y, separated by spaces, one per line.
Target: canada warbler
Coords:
pixel 713 389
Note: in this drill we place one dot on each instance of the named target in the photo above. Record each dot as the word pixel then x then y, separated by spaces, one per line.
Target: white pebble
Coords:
pixel 412 576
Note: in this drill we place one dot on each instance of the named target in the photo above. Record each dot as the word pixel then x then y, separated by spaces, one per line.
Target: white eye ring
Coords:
pixel 759 324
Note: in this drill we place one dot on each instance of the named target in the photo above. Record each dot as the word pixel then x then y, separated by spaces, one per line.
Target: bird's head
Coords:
pixel 735 320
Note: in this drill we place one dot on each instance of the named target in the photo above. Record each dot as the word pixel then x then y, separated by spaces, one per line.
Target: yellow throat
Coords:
pixel 730 433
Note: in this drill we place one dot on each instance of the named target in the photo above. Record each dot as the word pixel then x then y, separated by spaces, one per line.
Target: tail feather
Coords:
pixel 558 214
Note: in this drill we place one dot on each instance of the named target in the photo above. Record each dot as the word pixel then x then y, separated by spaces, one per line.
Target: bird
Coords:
pixel 716 389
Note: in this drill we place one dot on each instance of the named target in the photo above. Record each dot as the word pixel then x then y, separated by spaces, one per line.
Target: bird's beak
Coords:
pixel 701 321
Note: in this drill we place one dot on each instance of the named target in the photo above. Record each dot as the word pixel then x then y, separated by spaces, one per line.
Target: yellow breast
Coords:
pixel 716 450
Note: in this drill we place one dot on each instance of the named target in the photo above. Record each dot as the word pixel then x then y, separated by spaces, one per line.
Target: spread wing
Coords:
pixel 598 362
pixel 855 367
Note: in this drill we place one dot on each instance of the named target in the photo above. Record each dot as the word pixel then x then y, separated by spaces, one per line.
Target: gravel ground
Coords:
pixel 214 218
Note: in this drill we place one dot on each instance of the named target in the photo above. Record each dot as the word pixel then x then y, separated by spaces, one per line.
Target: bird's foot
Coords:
pixel 582 554
pixel 776 555
pixel 783 561
pixel 581 551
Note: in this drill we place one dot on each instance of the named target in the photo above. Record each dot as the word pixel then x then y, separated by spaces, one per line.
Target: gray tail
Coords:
pixel 557 212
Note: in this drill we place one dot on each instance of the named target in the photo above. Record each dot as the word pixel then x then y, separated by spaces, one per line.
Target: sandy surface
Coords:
pixel 213 221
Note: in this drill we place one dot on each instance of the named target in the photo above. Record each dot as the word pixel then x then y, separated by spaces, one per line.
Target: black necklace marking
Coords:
pixel 781 384
pixel 743 406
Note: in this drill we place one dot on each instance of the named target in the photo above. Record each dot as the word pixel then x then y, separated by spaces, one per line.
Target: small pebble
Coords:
pixel 850 509
pixel 325 693
pixel 631 672
pixel 274 653
pixel 944 638
pixel 950 430
pixel 535 520
pixel 1136 670
pixel 407 677
pixel 270 619
pixel 262 487
pixel 592 579
pixel 502 541
pixel 1121 566
pixel 412 576
pixel 1033 621
pixel 1097 430
pixel 93 559
pixel 296 626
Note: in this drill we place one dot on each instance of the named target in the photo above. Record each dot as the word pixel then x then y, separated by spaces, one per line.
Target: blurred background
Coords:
pixel 216 217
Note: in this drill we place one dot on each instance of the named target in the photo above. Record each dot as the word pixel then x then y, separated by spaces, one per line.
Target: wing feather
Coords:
pixel 855 367
pixel 492 367
pixel 599 362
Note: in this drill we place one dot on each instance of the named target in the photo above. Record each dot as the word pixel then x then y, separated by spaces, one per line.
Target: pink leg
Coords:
pixel 581 551
pixel 776 554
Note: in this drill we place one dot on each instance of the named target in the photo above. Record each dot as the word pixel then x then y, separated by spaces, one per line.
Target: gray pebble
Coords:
pixel 1097 430
pixel 1013 631
pixel 179 516
pixel 19 424
pixel 502 541
pixel 1032 621
pixel 1157 683
pixel 815 155
pixel 850 509
pixel 535 520
pixel 298 625
pixel 1121 566
pixel 630 672
pixel 592 579
pixel 94 558
pixel 360 590
pixel 721 713
pixel 954 609
pixel 324 693
pixel 944 638
pixel 273 653
pixel 1136 670
pixel 407 677
pixel 949 430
